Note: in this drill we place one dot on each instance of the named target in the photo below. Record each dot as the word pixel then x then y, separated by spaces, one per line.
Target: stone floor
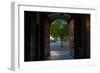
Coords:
pixel 56 46
pixel 60 55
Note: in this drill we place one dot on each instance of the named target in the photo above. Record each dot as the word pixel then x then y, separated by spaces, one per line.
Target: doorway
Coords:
pixel 59 40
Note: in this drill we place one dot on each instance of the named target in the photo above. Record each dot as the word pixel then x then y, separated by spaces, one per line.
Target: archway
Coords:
pixel 59 40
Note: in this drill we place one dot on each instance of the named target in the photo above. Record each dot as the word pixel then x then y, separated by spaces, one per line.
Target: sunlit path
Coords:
pixel 56 46
pixel 60 55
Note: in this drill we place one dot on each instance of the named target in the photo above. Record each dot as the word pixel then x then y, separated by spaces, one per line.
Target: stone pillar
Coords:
pixel 71 33
pixel 46 38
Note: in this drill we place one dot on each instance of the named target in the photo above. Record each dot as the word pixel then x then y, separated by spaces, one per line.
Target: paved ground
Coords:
pixel 58 53
pixel 56 46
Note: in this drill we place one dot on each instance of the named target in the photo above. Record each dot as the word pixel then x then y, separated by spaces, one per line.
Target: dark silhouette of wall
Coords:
pixel 82 47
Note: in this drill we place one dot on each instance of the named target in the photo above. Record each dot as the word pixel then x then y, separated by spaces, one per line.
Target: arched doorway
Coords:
pixel 60 40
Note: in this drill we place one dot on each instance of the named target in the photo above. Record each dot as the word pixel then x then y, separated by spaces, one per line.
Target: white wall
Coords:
pixel 5 34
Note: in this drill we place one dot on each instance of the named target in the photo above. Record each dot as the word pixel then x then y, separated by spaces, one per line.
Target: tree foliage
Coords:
pixel 59 29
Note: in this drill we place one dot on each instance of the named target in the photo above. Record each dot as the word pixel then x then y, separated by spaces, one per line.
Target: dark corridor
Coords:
pixel 36 35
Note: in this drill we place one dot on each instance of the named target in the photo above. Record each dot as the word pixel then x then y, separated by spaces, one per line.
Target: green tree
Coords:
pixel 59 29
